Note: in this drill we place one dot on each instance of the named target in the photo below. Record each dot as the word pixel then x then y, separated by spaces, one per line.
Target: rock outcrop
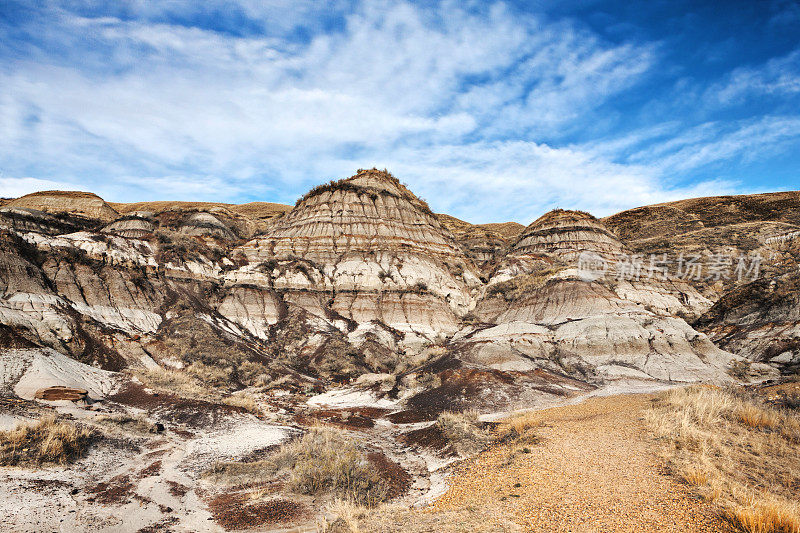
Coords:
pixel 542 311
pixel 75 203
pixel 759 320
pixel 367 250
pixel 360 277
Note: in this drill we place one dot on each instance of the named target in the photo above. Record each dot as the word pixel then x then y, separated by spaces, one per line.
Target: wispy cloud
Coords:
pixel 777 77
pixel 476 106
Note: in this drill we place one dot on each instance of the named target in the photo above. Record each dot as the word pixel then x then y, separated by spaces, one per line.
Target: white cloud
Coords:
pixel 712 142
pixel 466 106
pixel 778 76
pixel 16 187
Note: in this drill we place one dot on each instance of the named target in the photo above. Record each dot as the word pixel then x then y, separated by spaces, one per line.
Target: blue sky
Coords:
pixel 490 111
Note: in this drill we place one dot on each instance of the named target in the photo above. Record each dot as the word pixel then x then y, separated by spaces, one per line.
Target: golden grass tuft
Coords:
pixel 46 441
pixel 175 381
pixel 244 401
pixel 735 451
pixel 464 431
pixel 324 460
pixel 765 515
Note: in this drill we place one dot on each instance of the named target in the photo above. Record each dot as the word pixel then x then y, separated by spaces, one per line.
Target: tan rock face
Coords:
pixel 78 203
pixel 484 243
pixel 137 225
pixel 378 248
pixel 546 313
pixel 565 234
pixel 760 320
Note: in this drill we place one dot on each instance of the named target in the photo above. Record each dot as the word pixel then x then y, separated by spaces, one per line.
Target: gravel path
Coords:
pixel 594 471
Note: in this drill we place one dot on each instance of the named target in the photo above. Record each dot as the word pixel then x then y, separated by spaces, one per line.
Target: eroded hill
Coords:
pixel 361 309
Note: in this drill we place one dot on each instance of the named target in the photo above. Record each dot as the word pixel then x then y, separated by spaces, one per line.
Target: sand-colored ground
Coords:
pixel 594 470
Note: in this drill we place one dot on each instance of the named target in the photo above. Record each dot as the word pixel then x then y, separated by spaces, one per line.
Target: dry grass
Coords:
pixel 521 428
pixel 232 473
pixel 46 441
pixel 464 431
pixel 349 517
pixel 136 424
pixel 197 380
pixel 244 401
pixel 323 460
pixel 735 451
pixel 177 382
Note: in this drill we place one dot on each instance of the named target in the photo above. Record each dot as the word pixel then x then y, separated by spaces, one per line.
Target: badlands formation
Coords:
pixel 199 335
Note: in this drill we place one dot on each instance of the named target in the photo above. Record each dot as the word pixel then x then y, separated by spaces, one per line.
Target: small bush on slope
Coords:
pixel 736 452
pixel 464 431
pixel 323 460
pixel 46 441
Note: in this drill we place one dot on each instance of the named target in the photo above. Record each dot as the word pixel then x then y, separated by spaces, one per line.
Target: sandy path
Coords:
pixel 594 471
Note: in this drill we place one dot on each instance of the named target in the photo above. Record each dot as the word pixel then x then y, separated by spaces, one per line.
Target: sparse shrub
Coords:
pixel 136 424
pixel 420 287
pixel 464 431
pixel 175 381
pixel 46 441
pixel 244 401
pixel 428 380
pixel 324 460
pixel 211 374
pixel 241 473
pixel 253 373
pixel 520 428
pixel 740 369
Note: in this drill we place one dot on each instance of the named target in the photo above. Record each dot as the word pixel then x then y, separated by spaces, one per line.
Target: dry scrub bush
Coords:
pixel 520 428
pixel 46 441
pixel 244 401
pixel 736 452
pixel 252 373
pixel 238 473
pixel 198 380
pixel 175 381
pixel 324 460
pixel 464 431
pixel 211 375
pixel 136 424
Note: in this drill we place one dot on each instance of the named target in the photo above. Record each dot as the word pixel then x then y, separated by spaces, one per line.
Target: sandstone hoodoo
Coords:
pixel 366 249
pixel 547 314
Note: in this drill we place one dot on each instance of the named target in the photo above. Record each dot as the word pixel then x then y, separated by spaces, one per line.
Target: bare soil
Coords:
pixel 594 470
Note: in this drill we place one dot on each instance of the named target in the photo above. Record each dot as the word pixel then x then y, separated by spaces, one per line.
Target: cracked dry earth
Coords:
pixel 594 470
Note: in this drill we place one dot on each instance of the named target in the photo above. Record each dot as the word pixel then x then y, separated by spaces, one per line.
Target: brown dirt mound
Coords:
pixel 352 418
pixel 174 409
pixel 398 479
pixel 117 490
pixel 429 437
pixel 232 512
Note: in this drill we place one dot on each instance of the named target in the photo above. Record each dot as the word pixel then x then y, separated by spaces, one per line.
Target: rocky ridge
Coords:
pixel 359 266
pixel 195 334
